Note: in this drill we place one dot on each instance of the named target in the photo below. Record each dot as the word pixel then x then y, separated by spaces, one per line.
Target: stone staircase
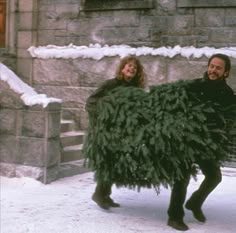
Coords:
pixel 72 141
pixel 71 162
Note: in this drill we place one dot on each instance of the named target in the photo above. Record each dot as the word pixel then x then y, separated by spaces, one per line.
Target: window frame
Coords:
pixel 204 3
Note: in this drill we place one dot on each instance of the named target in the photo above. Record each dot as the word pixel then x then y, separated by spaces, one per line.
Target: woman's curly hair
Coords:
pixel 140 77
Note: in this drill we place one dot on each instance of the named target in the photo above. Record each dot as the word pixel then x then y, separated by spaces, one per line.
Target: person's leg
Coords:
pixel 107 191
pixel 102 191
pixel 177 199
pixel 102 196
pixel 212 173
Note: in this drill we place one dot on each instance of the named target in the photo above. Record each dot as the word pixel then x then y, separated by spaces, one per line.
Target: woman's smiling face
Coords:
pixel 129 71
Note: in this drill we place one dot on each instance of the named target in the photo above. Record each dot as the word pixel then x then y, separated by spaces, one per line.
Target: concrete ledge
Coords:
pixel 204 3
pixel 42 174
pixel 94 5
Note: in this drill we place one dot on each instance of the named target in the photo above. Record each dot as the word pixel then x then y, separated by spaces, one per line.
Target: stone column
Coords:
pixel 26 37
pixel 29 139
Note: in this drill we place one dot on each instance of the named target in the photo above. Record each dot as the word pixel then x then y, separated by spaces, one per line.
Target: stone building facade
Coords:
pixel 152 23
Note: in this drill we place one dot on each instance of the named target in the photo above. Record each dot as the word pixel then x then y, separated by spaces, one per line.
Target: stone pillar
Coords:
pixel 29 138
pixel 26 37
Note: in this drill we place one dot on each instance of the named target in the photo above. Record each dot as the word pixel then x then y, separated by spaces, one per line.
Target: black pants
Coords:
pixel 103 190
pixel 212 173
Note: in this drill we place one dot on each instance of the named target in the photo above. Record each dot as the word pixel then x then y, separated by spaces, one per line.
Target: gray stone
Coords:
pixel 215 17
pixel 175 70
pixel 38 152
pixel 8 119
pixel 8 148
pixel 33 124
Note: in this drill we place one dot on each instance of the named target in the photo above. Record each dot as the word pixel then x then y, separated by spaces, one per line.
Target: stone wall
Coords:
pixel 152 23
pixel 29 137
pixel 73 80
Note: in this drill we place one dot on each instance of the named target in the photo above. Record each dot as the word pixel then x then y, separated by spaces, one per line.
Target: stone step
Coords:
pixel 72 138
pixel 72 153
pixel 67 125
pixel 72 168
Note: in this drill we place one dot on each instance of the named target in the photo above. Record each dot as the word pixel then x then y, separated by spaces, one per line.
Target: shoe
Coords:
pixel 112 203
pixel 101 202
pixel 197 212
pixel 177 224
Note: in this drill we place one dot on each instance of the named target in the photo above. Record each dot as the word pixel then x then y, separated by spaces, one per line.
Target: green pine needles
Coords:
pixel 140 139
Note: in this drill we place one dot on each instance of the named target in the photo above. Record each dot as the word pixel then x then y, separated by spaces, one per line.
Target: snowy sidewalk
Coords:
pixel 65 206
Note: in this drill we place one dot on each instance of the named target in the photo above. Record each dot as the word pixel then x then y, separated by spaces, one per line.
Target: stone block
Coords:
pixel 8 98
pixel 122 19
pixel 72 97
pixel 8 148
pixel 36 173
pixel 7 169
pixel 24 69
pixel 114 36
pixel 8 119
pixel 40 122
pixel 55 72
pixel 23 53
pixel 219 35
pixel 27 5
pixel 155 69
pixel 53 152
pixel 27 21
pixel 54 124
pixel 102 5
pixel 180 25
pixel 32 124
pixel 67 10
pixel 38 152
pixel 46 37
pixel 16 170
pixel 204 3
pixel 185 69
pixel 215 17
pixel 230 21
pixel 24 39
pixel 93 73
pixel 50 20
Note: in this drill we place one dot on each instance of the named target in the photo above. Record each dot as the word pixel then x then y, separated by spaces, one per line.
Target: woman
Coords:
pixel 129 72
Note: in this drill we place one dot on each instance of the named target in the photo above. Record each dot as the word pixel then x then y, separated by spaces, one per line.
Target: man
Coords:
pixel 212 87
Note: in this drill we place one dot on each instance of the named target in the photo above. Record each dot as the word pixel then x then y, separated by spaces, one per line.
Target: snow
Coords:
pixel 97 52
pixel 28 94
pixel 65 206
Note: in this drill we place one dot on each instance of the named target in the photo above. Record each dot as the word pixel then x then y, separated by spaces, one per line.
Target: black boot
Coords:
pixel 197 212
pixel 102 191
pixel 112 203
pixel 177 224
pixel 101 201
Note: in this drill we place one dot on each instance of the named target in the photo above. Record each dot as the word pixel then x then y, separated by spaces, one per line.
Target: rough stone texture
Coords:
pixel 152 23
pixel 38 173
pixel 29 136
pixel 91 73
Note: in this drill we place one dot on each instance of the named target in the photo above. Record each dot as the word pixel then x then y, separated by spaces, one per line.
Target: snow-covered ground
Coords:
pixel 65 206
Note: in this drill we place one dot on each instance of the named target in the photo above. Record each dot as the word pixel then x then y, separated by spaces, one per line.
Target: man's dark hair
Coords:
pixel 225 58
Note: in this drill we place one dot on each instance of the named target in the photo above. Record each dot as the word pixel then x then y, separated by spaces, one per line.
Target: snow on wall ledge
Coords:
pixel 28 94
pixel 97 52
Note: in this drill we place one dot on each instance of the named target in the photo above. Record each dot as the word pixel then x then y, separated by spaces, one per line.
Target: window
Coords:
pixel 204 3
pixel 101 5
pixel 2 23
